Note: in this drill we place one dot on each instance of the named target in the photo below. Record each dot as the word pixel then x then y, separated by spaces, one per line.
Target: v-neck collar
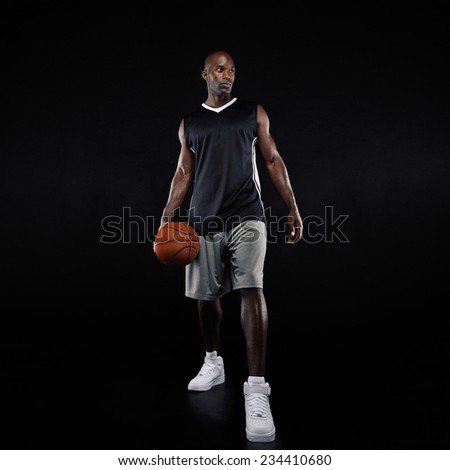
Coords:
pixel 217 110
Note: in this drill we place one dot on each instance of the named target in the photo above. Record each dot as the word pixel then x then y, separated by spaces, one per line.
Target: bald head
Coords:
pixel 219 75
pixel 217 58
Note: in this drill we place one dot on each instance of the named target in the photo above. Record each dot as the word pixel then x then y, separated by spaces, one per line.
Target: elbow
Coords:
pixel 188 176
pixel 271 163
pixel 185 173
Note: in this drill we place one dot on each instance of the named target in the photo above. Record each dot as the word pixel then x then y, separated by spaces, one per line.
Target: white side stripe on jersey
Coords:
pixel 255 172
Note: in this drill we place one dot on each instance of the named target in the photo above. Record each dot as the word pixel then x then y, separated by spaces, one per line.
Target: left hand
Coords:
pixel 295 226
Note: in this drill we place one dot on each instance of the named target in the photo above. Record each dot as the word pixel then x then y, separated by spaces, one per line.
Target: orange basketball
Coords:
pixel 176 244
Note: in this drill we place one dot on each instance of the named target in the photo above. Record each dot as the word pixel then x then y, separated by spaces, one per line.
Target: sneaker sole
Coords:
pixel 203 388
pixel 269 437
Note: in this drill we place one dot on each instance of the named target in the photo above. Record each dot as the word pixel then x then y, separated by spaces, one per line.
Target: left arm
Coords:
pixel 278 174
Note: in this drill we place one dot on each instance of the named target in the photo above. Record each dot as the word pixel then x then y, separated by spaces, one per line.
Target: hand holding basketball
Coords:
pixel 176 244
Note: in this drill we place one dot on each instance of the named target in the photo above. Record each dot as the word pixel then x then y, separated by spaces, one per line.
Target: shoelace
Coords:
pixel 207 368
pixel 257 405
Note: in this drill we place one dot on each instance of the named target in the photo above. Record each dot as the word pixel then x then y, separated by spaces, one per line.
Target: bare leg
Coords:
pixel 212 372
pixel 210 317
pixel 254 321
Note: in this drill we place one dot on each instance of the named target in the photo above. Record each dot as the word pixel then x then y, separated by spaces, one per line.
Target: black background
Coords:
pixel 98 339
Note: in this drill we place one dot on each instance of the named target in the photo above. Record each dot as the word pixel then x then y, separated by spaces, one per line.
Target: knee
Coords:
pixel 209 305
pixel 251 292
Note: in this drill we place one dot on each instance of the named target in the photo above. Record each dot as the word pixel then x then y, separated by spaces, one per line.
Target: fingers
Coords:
pixel 295 235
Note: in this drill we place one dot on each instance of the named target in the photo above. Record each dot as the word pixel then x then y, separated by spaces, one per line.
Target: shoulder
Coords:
pixel 193 112
pixel 260 110
pixel 253 106
pixel 249 109
pixel 247 103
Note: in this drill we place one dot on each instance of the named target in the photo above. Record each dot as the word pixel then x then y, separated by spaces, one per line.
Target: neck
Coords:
pixel 216 101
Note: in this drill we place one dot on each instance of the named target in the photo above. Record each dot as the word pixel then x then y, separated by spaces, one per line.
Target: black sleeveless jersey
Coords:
pixel 226 186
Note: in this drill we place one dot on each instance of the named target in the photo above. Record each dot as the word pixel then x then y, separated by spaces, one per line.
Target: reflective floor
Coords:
pixel 98 382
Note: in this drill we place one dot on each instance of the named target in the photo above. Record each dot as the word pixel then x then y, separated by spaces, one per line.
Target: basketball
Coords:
pixel 176 244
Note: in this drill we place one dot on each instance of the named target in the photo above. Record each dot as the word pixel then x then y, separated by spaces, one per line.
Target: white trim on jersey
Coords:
pixel 217 110
pixel 255 172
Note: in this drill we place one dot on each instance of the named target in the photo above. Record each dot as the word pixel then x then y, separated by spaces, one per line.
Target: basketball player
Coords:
pixel 219 142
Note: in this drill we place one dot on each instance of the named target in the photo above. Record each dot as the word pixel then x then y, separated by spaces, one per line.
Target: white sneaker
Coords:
pixel 212 373
pixel 258 417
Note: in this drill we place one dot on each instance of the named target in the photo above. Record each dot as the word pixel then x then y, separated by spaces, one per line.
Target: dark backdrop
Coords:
pixel 91 102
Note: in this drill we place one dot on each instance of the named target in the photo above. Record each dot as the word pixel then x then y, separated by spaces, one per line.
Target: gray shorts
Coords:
pixel 228 261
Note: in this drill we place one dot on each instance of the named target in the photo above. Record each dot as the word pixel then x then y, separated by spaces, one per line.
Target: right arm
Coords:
pixel 181 179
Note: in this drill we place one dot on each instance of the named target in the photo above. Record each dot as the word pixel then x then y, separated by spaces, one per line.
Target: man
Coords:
pixel 219 143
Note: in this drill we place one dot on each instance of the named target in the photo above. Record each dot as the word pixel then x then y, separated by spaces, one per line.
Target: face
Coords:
pixel 219 74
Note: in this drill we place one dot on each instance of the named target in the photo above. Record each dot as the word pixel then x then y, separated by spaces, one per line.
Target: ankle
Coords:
pixel 211 354
pixel 256 380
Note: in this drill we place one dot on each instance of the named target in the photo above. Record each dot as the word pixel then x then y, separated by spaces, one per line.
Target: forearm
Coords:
pixel 178 190
pixel 279 177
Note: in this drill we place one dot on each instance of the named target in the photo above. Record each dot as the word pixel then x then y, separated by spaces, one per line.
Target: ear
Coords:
pixel 204 74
